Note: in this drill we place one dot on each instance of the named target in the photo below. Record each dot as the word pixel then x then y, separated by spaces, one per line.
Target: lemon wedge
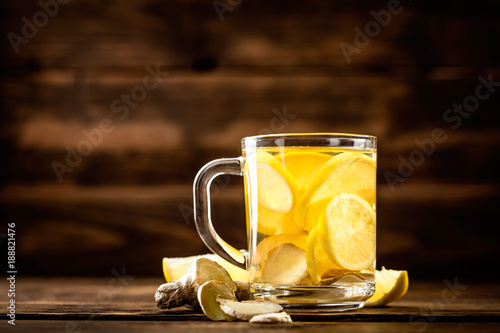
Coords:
pixel 175 268
pixel 275 184
pixel 347 232
pixel 390 285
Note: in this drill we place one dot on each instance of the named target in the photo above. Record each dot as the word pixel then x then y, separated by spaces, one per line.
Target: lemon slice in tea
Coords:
pixel 347 232
pixel 348 172
pixel 304 166
pixel 318 261
pixel 270 222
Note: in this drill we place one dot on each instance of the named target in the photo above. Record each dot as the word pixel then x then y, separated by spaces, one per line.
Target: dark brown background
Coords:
pixel 128 203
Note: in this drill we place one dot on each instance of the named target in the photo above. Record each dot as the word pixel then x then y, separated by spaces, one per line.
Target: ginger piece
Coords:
pixel 184 291
pixel 209 293
pixel 285 265
pixel 243 291
pixel 247 309
pixel 271 318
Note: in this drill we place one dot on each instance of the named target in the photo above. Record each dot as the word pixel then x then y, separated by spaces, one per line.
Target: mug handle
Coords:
pixel 202 216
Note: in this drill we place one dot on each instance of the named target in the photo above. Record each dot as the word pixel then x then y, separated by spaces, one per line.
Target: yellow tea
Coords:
pixel 311 220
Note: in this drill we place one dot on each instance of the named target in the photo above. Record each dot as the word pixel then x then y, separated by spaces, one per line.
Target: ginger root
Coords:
pixel 207 285
pixel 247 309
pixel 209 293
pixel 243 291
pixel 185 290
pixel 269 318
pixel 286 264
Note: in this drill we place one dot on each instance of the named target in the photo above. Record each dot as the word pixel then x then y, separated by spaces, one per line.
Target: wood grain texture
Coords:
pixel 111 34
pixel 131 299
pixel 189 326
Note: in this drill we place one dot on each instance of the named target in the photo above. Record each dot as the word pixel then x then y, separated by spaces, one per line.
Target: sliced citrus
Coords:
pixel 304 166
pixel 349 172
pixel 269 221
pixel 275 184
pixel 390 285
pixel 287 225
pixel 347 232
pixel 311 214
pixel 269 243
pixel 175 268
pixel 318 262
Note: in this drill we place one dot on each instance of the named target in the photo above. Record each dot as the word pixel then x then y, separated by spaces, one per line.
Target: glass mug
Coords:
pixel 311 218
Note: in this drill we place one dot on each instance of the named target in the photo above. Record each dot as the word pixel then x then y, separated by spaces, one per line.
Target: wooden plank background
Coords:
pixel 127 203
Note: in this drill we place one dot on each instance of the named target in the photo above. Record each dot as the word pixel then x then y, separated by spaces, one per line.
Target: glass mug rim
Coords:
pixel 312 134
pixel 321 139
pixel 366 144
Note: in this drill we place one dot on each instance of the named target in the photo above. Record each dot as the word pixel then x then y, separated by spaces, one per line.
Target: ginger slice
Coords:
pixel 209 294
pixel 285 265
pixel 243 291
pixel 247 309
pixel 271 318
pixel 184 291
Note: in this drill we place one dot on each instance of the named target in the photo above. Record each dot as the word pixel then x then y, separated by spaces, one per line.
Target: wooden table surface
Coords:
pixel 123 303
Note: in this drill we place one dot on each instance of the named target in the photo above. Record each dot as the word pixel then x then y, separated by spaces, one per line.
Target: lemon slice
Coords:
pixel 269 243
pixel 175 268
pixel 275 184
pixel 303 166
pixel 349 172
pixel 318 262
pixel 311 214
pixel 390 285
pixel 269 222
pixel 347 232
pixel 287 225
